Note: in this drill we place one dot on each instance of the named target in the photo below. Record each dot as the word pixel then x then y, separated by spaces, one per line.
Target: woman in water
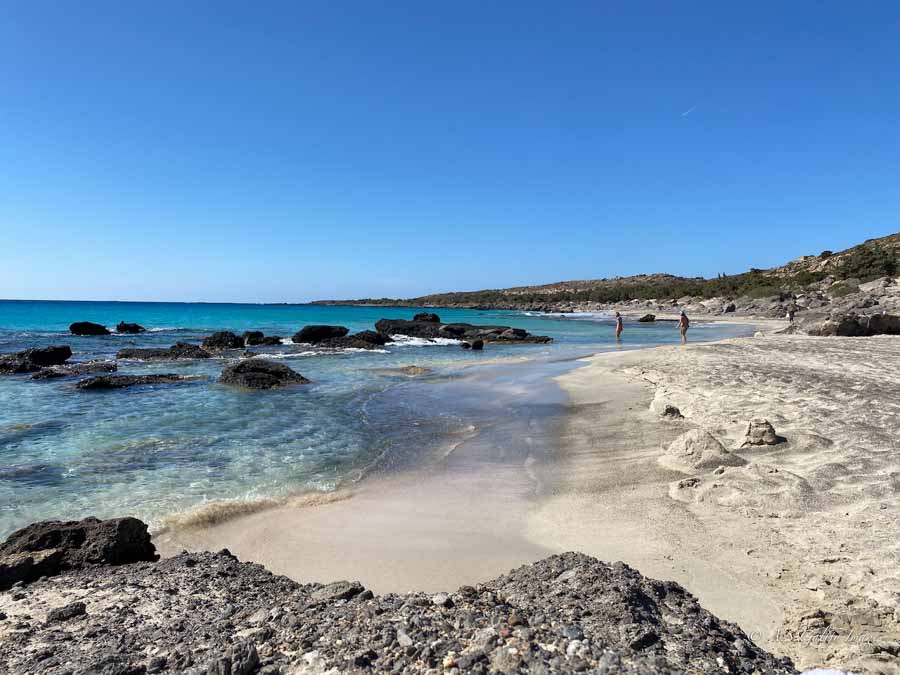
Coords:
pixel 618 326
pixel 684 324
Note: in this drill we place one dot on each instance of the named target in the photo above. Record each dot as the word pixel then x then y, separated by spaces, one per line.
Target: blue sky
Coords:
pixel 290 151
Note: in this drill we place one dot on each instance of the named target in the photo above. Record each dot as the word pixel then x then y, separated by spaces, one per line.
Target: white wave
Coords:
pixel 409 341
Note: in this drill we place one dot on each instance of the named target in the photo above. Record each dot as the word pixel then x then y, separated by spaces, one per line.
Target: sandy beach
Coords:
pixel 797 545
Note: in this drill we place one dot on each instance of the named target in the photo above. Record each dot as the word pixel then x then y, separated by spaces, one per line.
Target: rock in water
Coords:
pixel 31 360
pixel 760 432
pixel 122 381
pixel 365 339
pixel 178 351
pixel 123 327
pixel 222 340
pixel 698 449
pixel 427 316
pixel 253 338
pixel 87 368
pixel 647 318
pixel 316 333
pixel 50 547
pixel 260 374
pixel 88 328
pixel 477 345
pixel 208 613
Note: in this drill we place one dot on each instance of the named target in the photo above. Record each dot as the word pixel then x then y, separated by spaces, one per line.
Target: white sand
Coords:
pixel 803 538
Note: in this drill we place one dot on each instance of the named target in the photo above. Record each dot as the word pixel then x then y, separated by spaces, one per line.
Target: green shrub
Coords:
pixel 840 289
pixel 867 262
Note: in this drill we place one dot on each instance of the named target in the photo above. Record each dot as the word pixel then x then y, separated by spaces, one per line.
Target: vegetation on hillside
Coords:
pixel 864 262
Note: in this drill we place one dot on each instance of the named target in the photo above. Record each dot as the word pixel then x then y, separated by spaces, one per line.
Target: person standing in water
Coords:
pixel 618 326
pixel 684 324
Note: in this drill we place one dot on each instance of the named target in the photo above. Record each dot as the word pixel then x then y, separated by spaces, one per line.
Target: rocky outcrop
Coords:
pixel 32 360
pixel 208 612
pixel 253 338
pixel 852 325
pixel 123 381
pixel 260 374
pixel 123 327
pixel 366 339
pixel 883 324
pixel 88 328
pixel 696 450
pixel 178 351
pixel 221 341
pixel 48 548
pixel 74 369
pixel 457 331
pixel 317 333
pixel 760 432
pixel 427 316
pixel 647 318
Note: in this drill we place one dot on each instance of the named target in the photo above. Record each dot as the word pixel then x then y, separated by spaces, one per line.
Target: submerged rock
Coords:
pixel 122 381
pixel 222 340
pixel 123 327
pixel 31 360
pixel 260 374
pixel 178 351
pixel 647 318
pixel 73 369
pixel 208 612
pixel 88 328
pixel 50 547
pixel 317 333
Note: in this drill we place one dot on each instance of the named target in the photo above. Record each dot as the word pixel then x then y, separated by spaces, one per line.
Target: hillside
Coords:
pixel 870 260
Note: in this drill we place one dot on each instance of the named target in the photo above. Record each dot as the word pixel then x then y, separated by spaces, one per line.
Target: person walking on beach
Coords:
pixel 618 326
pixel 790 314
pixel 683 324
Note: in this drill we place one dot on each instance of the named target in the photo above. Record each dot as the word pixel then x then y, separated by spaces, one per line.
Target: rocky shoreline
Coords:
pixel 210 613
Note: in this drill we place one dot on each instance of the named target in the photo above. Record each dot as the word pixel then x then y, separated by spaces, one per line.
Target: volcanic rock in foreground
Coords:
pixel 50 547
pixel 87 328
pixel 255 373
pixel 73 369
pixel 178 351
pixel 210 613
pixel 222 340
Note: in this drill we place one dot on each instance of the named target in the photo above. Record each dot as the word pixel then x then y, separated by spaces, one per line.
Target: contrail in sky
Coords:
pixel 689 110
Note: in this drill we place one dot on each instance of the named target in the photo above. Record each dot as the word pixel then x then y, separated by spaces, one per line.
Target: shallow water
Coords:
pixel 154 451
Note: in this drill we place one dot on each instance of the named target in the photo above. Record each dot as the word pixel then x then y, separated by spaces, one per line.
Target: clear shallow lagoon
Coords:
pixel 155 451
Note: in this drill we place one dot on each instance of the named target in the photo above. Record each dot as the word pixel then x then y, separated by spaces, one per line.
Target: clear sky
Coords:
pixel 289 151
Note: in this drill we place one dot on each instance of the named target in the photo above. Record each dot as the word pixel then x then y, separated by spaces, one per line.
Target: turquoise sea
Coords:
pixel 156 451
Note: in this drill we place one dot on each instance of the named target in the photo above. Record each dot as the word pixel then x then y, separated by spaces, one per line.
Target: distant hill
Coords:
pixel 872 259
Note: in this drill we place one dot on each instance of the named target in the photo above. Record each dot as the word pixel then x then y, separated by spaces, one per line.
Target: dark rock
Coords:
pixel 271 340
pixel 316 333
pixel 647 318
pixel 366 339
pixel 730 307
pixel 253 337
pixel 122 381
pixel 66 612
pixel 31 360
pixel 123 327
pixel 883 324
pixel 88 328
pixel 50 547
pixel 73 369
pixel 465 345
pixel 178 351
pixel 260 374
pixel 671 411
pixel 222 340
pixel 477 345
pixel 427 316
pixel 339 590
pixel 761 432
pixel 457 331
